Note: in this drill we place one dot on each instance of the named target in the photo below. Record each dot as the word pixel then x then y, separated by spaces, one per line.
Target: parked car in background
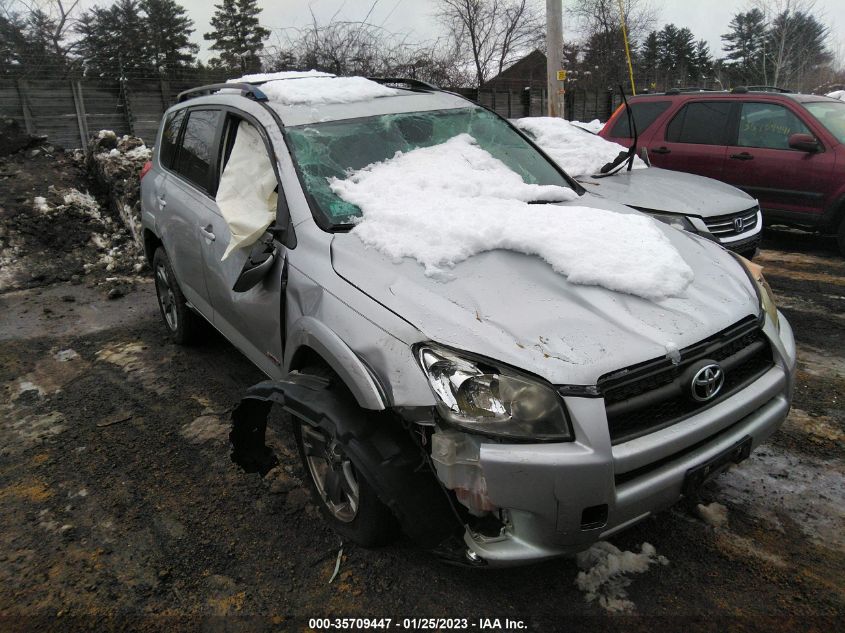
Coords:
pixel 787 150
pixel 693 203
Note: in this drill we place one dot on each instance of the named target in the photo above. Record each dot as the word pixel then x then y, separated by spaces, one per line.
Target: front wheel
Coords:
pixel 348 503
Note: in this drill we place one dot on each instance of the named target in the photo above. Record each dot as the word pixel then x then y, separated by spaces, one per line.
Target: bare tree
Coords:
pixel 53 21
pixel 495 31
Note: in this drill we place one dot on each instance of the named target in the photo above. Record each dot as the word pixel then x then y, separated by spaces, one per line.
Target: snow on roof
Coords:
pixel 286 74
pixel 321 90
pixel 443 204
pixel 577 152
pixel 837 94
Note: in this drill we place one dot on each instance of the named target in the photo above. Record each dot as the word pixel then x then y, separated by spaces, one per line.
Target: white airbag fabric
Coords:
pixel 246 195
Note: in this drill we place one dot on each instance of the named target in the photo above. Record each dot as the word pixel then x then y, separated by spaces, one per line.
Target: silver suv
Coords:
pixel 502 416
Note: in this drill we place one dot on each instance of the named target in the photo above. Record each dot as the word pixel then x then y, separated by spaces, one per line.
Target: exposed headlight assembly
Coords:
pixel 764 290
pixel 483 399
pixel 678 221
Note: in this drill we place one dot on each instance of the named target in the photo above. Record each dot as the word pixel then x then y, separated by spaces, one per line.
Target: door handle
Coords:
pixel 661 150
pixel 206 231
pixel 161 201
pixel 743 156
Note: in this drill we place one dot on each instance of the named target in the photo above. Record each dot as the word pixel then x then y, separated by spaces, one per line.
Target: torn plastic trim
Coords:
pixel 381 450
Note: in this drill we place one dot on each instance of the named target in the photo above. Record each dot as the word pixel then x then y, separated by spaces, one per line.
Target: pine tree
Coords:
pixel 114 41
pixel 703 61
pixel 744 44
pixel 237 35
pixel 650 60
pixel 169 29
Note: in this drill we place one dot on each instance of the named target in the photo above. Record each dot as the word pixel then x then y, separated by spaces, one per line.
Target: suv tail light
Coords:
pixel 147 166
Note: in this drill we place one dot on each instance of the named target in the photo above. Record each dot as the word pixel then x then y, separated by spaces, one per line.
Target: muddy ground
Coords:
pixel 120 507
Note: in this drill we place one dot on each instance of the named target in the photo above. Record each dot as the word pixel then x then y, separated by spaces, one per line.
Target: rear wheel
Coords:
pixel 348 503
pixel 182 323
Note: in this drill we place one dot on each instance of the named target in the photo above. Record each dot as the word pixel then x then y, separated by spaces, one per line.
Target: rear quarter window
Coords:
pixel 701 123
pixel 645 113
pixel 170 137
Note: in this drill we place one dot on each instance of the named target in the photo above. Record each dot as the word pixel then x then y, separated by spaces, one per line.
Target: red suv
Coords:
pixel 787 150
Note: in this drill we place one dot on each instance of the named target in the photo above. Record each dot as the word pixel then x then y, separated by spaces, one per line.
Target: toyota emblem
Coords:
pixel 707 382
pixel 739 225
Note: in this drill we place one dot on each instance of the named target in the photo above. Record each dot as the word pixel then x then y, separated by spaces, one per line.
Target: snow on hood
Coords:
pixel 285 74
pixel 593 126
pixel 515 309
pixel 837 94
pixel 441 205
pixel 321 90
pixel 658 189
pixel 576 151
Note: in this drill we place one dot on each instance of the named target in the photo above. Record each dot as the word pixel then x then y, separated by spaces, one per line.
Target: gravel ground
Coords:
pixel 120 507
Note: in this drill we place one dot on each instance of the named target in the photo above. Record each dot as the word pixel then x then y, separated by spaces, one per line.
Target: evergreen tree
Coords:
pixel 744 44
pixel 796 46
pixel 237 35
pixel 703 61
pixel 650 60
pixel 114 41
pixel 169 29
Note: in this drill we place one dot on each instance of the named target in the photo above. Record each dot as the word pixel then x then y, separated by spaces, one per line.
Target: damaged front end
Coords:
pixel 387 449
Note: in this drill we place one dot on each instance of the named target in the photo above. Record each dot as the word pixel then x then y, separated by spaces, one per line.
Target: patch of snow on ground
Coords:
pixel 325 90
pixel 440 205
pixel 774 485
pixel 593 126
pixel 577 152
pixel 714 514
pixel 39 203
pixel 605 571
pixel 285 74
pixel 837 94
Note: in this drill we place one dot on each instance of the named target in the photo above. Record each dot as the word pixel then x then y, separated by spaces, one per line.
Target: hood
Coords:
pixel 515 309
pixel 670 191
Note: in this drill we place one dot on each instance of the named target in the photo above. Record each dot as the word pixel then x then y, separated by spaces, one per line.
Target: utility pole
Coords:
pixel 554 47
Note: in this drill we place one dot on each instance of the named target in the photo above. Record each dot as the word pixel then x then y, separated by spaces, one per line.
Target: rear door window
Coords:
pixel 197 150
pixel 645 113
pixel 170 137
pixel 701 123
pixel 767 125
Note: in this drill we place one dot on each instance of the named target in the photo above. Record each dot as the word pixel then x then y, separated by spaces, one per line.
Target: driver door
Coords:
pixel 251 320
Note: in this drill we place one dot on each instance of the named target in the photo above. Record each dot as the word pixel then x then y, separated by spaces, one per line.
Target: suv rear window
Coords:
pixel 645 113
pixel 195 153
pixel 169 138
pixel 701 123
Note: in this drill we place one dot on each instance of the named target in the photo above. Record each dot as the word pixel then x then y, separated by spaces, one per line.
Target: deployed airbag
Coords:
pixel 247 192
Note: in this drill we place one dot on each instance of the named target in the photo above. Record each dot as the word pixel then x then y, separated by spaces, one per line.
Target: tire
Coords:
pixel 183 324
pixel 840 237
pixel 346 500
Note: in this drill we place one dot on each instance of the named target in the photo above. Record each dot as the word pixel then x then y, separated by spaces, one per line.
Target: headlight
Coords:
pixel 678 221
pixel 764 290
pixel 484 400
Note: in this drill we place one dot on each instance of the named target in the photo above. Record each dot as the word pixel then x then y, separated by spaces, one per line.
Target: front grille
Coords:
pixel 723 226
pixel 653 395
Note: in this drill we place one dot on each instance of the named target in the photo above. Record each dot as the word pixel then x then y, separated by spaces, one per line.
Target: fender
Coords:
pixel 309 332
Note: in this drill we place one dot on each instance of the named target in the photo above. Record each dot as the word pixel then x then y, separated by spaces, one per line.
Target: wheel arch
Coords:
pixel 151 243
pixel 311 342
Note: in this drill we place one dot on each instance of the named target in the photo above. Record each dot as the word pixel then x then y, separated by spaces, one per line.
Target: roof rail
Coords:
pixel 246 90
pixel 744 89
pixel 413 84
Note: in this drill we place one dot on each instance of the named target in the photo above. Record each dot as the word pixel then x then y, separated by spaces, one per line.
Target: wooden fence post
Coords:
pixel 164 86
pixel 81 116
pixel 25 107
pixel 127 107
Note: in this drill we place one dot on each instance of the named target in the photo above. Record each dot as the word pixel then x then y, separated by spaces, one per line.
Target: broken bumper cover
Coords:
pixel 561 498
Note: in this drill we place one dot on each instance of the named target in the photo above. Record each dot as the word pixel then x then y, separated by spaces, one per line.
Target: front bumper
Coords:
pixel 554 492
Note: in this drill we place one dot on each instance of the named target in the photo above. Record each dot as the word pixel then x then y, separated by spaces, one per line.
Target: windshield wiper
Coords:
pixel 616 166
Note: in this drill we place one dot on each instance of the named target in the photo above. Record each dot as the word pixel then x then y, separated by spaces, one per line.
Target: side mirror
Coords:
pixel 258 263
pixel 804 142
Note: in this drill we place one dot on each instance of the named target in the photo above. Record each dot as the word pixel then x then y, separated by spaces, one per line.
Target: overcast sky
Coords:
pixel 707 19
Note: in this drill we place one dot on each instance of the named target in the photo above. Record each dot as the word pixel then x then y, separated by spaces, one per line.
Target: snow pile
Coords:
pixel 604 573
pixel 443 204
pixel 837 94
pixel 285 74
pixel 714 514
pixel 577 152
pixel 115 163
pixel 324 90
pixel 593 126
